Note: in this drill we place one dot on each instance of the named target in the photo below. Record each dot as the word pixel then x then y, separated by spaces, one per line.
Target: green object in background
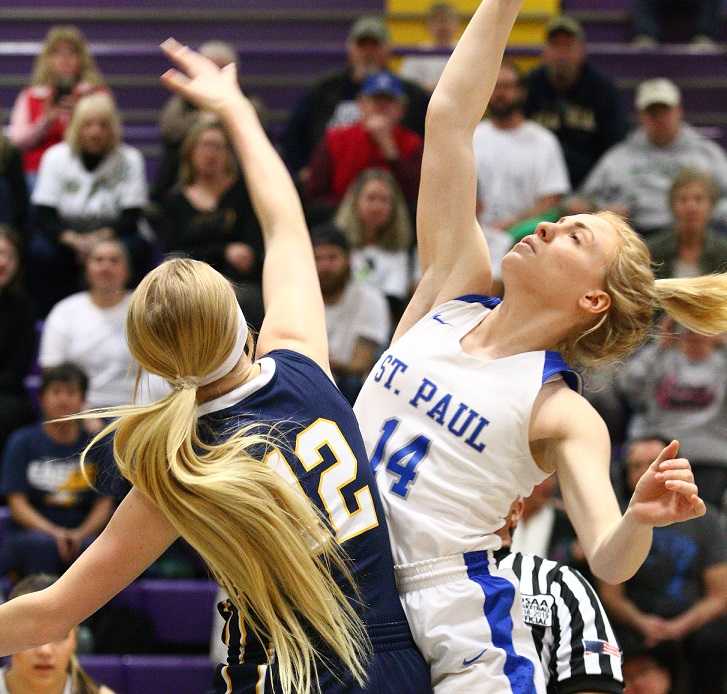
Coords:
pixel 527 226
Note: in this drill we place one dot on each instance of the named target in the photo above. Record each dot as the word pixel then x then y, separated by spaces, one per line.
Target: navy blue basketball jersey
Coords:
pixel 320 449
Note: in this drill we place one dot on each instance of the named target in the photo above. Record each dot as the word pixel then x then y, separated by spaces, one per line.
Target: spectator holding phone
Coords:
pixel 63 73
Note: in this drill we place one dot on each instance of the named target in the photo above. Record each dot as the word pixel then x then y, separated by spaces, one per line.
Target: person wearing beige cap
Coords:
pixel 569 97
pixel 332 100
pixel 634 177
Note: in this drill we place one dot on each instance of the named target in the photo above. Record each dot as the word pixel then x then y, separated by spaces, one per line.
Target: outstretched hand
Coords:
pixel 200 81
pixel 666 492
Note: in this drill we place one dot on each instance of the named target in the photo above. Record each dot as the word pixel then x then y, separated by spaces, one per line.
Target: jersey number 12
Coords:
pixel 343 471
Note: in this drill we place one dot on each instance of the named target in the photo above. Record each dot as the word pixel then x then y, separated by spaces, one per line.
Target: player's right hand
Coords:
pixel 201 82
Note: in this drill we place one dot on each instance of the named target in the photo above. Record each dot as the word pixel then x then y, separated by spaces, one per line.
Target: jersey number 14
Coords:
pixel 403 462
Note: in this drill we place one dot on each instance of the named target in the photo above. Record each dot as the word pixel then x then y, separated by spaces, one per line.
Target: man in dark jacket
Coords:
pixel 573 100
pixel 332 100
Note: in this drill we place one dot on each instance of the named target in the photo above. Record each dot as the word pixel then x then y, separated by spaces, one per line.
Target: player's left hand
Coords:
pixel 666 492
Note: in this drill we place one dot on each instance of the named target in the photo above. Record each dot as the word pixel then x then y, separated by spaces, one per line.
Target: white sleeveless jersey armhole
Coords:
pixel 447 433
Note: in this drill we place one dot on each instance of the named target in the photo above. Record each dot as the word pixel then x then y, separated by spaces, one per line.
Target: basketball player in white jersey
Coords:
pixel 472 405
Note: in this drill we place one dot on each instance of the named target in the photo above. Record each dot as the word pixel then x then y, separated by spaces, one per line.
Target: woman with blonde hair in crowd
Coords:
pixel 64 71
pixel 374 217
pixel 255 459
pixel 208 216
pixel 474 403
pixel 90 188
pixel 50 668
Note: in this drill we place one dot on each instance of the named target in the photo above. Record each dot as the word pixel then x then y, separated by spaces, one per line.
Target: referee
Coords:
pixel 576 644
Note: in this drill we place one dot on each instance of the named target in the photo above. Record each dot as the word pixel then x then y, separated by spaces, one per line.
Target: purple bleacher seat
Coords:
pixel 181 610
pixel 106 669
pixel 168 674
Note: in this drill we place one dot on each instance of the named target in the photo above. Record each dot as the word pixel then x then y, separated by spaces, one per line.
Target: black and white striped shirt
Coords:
pixel 576 644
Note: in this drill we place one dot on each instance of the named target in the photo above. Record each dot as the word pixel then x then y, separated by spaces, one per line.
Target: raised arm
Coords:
pixel 573 440
pixel 135 536
pixel 452 249
pixel 294 312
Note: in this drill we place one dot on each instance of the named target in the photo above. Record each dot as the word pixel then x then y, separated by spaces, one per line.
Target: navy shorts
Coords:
pixel 396 667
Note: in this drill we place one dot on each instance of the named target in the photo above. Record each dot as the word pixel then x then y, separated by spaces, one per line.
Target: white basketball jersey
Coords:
pixel 447 433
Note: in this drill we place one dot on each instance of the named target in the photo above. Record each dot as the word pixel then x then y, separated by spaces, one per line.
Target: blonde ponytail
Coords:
pixel 263 540
pixel 697 303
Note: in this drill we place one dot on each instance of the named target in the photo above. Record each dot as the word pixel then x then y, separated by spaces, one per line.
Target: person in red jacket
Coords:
pixel 377 140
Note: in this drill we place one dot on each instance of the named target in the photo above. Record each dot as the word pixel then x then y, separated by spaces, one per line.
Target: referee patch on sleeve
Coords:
pixel 538 610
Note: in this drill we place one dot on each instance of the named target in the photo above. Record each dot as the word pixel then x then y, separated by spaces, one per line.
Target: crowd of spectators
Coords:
pixel 78 229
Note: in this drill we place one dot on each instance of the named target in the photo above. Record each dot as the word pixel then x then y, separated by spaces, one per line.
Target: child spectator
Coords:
pixel 55 511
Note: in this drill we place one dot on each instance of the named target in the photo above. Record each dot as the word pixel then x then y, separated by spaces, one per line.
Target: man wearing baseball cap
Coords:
pixel 332 101
pixel 634 177
pixel 578 104
pixel 377 140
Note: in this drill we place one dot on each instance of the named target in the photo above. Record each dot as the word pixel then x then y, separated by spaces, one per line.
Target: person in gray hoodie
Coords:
pixel 678 384
pixel 634 177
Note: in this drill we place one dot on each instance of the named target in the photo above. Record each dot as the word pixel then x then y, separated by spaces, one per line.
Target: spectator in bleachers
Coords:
pixel 88 328
pixel 13 188
pixel 444 28
pixel 90 188
pixel 177 118
pixel 209 215
pixel 357 316
pixel 650 670
pixel 691 247
pixel 521 173
pixel 332 101
pixel 544 528
pixel 375 219
pixel 680 592
pixel 63 73
pixel 634 177
pixel 55 510
pixel 678 384
pixel 567 95
pixel 377 140
pixel 17 339
pixel 650 15
pixel 49 669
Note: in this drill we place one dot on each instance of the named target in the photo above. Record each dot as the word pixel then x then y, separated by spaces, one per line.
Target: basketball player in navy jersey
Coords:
pixel 259 463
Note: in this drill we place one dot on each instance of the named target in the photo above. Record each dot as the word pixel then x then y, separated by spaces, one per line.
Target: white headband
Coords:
pixel 183 382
